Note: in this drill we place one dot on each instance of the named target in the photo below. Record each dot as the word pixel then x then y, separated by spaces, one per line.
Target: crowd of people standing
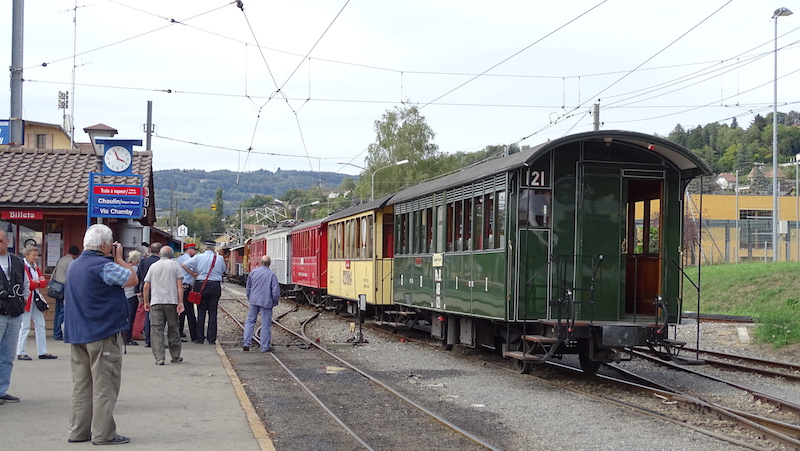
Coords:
pixel 98 295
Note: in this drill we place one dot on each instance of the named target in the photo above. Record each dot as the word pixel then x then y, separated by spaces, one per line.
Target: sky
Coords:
pixel 299 84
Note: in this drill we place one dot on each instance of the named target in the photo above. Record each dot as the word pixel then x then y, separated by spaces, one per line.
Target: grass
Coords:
pixel 768 292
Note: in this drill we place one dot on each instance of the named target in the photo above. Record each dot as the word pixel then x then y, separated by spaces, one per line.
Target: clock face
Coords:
pixel 117 158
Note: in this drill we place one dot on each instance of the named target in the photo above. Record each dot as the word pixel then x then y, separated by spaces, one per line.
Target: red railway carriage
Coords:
pixel 258 248
pixel 310 259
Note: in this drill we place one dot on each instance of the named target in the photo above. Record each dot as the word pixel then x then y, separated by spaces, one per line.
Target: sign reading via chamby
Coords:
pixel 116 201
pixel 438 260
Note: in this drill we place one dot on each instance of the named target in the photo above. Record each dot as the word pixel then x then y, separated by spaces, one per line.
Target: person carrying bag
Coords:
pixel 196 296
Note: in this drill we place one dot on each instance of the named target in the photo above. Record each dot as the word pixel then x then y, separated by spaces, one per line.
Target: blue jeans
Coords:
pixel 58 320
pixel 9 333
pixel 266 326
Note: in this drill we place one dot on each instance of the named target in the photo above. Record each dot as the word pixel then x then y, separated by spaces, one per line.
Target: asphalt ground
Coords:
pixel 198 404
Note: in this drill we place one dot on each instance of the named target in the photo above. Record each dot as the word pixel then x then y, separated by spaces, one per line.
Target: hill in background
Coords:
pixel 194 188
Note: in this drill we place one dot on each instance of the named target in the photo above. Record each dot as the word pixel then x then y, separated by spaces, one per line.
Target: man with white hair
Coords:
pixel 163 298
pixel 95 314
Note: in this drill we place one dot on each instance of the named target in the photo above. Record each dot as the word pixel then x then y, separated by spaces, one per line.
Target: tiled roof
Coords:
pixel 58 177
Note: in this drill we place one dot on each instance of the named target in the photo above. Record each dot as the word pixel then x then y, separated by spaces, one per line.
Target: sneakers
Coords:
pixel 47 356
pixel 23 357
pixel 245 348
pixel 118 440
pixel 9 398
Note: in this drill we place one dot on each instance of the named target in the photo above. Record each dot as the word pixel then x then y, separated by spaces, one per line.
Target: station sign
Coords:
pixel 115 201
pixel 21 214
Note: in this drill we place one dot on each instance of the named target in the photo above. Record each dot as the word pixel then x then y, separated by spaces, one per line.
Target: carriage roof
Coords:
pixel 688 164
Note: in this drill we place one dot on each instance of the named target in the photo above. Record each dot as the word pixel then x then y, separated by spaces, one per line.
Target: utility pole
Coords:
pixel 16 130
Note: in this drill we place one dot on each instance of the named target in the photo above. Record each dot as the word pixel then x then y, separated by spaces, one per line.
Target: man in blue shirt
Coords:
pixel 263 293
pixel 190 250
pixel 207 269
pixel 95 314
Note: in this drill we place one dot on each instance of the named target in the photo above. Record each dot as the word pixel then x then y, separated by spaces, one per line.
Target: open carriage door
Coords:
pixel 643 259
pixel 600 230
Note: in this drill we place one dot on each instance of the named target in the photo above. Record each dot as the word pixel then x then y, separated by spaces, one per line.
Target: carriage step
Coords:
pixel 401 313
pixel 540 339
pixel 519 355
pixel 674 343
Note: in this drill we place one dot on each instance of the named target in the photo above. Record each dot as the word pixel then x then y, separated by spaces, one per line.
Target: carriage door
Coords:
pixel 600 230
pixel 643 263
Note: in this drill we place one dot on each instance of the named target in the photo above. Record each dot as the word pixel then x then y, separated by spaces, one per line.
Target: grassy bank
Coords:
pixel 769 292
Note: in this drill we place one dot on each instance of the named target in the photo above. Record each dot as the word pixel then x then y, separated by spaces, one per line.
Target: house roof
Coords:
pixel 59 178
pixel 727 176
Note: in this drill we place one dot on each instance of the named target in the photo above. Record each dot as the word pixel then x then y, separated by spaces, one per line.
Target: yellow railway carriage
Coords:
pixel 360 251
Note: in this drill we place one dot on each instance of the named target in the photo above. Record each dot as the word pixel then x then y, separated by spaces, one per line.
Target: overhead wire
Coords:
pixel 515 54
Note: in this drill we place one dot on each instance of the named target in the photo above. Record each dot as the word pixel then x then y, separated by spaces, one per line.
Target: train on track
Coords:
pixel 569 247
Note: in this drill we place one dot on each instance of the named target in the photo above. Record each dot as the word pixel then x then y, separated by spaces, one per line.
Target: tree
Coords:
pixel 760 184
pixel 401 134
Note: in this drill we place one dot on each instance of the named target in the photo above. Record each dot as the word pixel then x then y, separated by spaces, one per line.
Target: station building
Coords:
pixel 45 196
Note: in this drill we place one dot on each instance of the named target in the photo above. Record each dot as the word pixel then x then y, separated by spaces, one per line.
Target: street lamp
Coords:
pixel 372 195
pixel 775 218
pixel 297 209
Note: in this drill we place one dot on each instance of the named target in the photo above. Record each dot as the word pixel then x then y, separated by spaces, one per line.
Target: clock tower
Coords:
pixel 117 155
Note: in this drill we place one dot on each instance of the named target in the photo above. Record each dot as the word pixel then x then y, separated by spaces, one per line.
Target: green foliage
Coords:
pixel 730 148
pixel 197 188
pixel 401 134
pixel 765 291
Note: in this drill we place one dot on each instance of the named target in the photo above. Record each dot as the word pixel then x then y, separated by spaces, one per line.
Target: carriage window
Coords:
pixel 403 233
pixel 500 221
pixel 458 225
pixel 427 225
pixel 479 223
pixel 534 208
pixel 440 233
pixel 369 247
pixel 450 227
pixel 488 221
pixel 467 224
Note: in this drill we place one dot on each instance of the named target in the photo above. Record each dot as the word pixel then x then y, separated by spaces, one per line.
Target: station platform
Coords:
pixel 198 404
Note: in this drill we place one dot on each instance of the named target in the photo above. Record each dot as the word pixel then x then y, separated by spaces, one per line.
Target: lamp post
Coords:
pixel 297 209
pixel 775 218
pixel 372 185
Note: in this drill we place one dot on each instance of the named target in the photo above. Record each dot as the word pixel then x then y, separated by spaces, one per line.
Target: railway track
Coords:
pixel 650 398
pixel 362 405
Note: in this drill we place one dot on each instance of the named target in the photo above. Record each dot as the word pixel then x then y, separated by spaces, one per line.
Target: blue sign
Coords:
pixel 116 212
pixel 5 131
pixel 115 201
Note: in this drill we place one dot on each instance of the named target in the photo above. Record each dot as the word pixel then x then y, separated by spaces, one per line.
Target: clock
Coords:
pixel 117 159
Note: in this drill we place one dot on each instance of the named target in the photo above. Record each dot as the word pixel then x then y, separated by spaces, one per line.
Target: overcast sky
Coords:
pixel 307 79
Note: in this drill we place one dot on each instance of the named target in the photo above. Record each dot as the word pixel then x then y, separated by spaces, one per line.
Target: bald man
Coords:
pixel 263 292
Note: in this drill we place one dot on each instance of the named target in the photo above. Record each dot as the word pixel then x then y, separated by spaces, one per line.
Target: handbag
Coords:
pixel 55 289
pixel 196 296
pixel 41 304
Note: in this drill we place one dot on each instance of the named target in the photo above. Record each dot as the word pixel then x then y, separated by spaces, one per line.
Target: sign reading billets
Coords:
pixel 116 201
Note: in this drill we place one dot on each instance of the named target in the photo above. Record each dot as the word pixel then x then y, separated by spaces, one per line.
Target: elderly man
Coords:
pixel 163 298
pixel 207 269
pixel 95 314
pixel 14 290
pixel 263 293
pixel 190 250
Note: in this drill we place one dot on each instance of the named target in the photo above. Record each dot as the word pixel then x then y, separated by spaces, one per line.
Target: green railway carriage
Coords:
pixel 570 247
